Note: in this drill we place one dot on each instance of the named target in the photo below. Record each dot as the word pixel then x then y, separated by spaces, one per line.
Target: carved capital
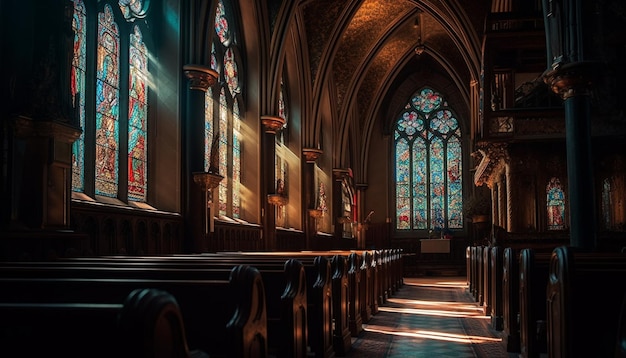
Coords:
pixel 200 77
pixel 316 213
pixel 272 124
pixel 341 174
pixel 207 180
pixel 494 157
pixel 574 79
pixel 277 199
pixel 311 154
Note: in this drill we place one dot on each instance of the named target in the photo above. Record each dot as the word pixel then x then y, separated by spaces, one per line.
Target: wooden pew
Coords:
pixel 585 294
pixel 487 280
pixel 496 288
pixel 331 308
pixel 354 310
pixel 284 284
pixel 533 281
pixel 620 342
pixel 367 288
pixel 510 299
pixel 148 322
pixel 222 317
pixel 511 292
pixel 319 274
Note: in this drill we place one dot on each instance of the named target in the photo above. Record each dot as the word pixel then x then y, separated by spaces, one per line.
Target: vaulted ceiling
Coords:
pixel 365 50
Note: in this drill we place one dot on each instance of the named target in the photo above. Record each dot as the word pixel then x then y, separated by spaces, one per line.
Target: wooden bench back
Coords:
pixel 585 295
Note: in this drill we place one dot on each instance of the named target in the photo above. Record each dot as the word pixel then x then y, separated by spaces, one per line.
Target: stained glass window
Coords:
pixel 236 161
pixel 208 128
pixel 281 173
pixel 428 165
pixel 223 150
pixel 107 104
pixel 137 118
pixel 224 122
pixel 555 202
pixel 119 49
pixel 77 82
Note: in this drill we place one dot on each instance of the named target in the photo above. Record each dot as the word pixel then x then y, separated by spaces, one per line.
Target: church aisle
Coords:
pixel 430 317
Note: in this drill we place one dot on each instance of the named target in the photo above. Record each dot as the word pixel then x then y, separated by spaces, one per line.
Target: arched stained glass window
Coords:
pixel 236 200
pixel 223 112
pixel 428 165
pixel 77 81
pixel 208 128
pixel 281 171
pixel 223 150
pixel 119 49
pixel 137 118
pixel 107 104
pixel 555 202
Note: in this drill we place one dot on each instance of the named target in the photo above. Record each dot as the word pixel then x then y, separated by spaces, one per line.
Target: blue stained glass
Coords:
pixel 131 8
pixel 419 176
pixel 107 105
pixel 236 204
pixel 223 153
pixel 443 122
pixel 430 134
pixel 77 83
pixel 231 73
pixel 427 101
pixel 555 198
pixel 402 161
pixel 208 127
pixel 137 118
pixel 221 23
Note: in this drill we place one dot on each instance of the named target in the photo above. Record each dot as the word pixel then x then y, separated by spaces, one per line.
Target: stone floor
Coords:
pixel 430 317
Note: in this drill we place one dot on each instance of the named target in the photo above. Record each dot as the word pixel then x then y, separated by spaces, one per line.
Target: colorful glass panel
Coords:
pixel 454 168
pixel 77 83
pixel 403 195
pixel 208 128
pixel 107 105
pixel 230 72
pixel 137 118
pixel 221 23
pixel 131 8
pixel 419 184
pixel 427 101
pixel 428 157
pixel 321 198
pixel 236 161
pixel 437 184
pixel 213 58
pixel 223 150
pixel 555 201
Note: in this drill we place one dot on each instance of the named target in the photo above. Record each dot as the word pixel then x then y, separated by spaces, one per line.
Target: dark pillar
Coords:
pixel 572 82
pixel 310 191
pixel 196 215
pixel 272 124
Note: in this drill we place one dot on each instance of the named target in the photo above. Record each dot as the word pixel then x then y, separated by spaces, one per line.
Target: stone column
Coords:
pixel 363 217
pixel 271 124
pixel 339 175
pixel 573 83
pixel 310 194
pixel 200 77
